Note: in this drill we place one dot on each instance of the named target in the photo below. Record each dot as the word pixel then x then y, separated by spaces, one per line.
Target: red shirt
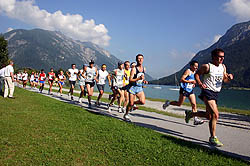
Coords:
pixel 42 77
pixel 51 76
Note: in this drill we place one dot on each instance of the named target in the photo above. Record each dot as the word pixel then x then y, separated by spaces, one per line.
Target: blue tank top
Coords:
pixel 188 86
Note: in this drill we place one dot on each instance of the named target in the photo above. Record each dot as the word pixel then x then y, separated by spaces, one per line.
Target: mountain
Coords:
pixel 42 49
pixel 39 49
pixel 236 44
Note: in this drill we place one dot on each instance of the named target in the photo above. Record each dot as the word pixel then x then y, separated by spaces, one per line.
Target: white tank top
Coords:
pixel 119 78
pixel 102 77
pixel 82 79
pixel 90 73
pixel 213 80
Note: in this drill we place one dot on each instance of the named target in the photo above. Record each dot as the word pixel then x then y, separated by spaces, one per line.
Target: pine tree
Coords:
pixel 3 51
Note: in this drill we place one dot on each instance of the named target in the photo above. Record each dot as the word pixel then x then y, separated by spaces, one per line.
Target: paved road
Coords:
pixel 233 130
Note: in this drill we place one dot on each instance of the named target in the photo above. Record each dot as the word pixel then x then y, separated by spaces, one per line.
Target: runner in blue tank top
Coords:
pixel 186 90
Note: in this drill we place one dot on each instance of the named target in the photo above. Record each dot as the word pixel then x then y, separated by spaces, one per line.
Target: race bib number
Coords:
pixel 190 86
pixel 139 81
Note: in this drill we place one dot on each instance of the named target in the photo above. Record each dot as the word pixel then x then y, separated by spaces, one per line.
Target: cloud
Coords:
pixel 9 29
pixel 239 9
pixel 72 25
pixel 216 38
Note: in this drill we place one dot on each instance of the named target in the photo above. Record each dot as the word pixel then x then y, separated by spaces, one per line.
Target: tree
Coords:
pixel 3 51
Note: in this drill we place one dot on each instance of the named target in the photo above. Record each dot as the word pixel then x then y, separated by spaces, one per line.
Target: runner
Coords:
pixel 117 87
pixel 19 78
pixel 214 74
pixel 25 76
pixel 72 74
pixel 32 80
pixel 61 79
pixel 127 71
pixel 91 73
pixel 82 77
pixel 42 78
pixel 136 81
pixel 186 90
pixel 36 80
pixel 132 65
pixel 51 77
pixel 101 81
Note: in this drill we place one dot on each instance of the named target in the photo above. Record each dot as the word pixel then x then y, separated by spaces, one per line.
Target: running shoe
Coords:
pixel 120 110
pixel 123 109
pixel 97 103
pixel 166 104
pixel 126 118
pixel 188 116
pixel 109 110
pixel 80 100
pixel 72 98
pixel 89 105
pixel 198 121
pixel 110 96
pixel 215 141
pixel 134 107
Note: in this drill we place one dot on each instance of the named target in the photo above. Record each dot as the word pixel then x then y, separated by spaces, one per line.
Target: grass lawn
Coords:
pixel 38 130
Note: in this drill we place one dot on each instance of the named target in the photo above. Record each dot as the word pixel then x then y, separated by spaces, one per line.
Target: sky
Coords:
pixel 168 33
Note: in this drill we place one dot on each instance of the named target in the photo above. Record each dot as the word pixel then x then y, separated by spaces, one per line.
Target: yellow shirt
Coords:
pixel 126 78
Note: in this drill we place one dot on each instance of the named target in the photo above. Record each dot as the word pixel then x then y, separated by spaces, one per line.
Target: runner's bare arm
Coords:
pixel 67 73
pixel 131 78
pixel 204 69
pixel 185 75
pixel 109 79
pixel 145 82
pixel 227 77
pixel 96 76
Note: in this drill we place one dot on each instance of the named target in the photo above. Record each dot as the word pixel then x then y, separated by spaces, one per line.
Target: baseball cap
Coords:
pixel 91 62
pixel 120 63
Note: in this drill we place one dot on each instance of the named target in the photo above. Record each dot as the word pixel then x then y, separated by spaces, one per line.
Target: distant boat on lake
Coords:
pixel 156 87
pixel 177 87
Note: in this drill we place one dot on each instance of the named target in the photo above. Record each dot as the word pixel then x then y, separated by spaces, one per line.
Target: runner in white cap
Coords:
pixel 117 86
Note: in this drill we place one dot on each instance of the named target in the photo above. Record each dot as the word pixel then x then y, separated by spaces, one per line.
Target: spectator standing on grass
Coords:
pixel 9 81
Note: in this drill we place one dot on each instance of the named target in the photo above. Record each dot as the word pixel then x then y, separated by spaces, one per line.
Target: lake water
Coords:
pixel 238 99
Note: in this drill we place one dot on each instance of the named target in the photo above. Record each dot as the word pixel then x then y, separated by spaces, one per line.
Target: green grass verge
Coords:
pixel 38 130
